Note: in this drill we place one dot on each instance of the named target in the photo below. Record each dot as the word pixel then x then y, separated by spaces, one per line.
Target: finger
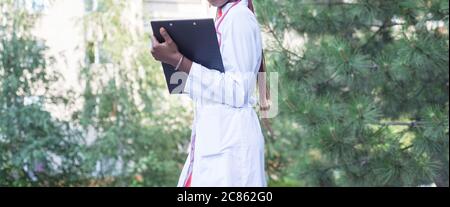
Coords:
pixel 154 41
pixel 165 35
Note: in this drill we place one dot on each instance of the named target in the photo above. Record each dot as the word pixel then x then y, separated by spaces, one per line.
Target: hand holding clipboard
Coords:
pixel 196 40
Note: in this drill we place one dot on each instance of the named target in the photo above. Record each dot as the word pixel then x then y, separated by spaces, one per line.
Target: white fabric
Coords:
pixel 229 144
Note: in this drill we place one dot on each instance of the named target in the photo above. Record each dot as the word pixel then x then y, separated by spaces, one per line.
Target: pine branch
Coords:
pixel 320 85
pixel 361 161
pixel 330 3
pixel 410 124
pixel 380 30
pixel 278 40
pixel 407 147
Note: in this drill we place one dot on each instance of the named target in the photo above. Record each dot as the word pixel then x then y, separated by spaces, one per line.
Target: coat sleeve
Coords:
pixel 241 55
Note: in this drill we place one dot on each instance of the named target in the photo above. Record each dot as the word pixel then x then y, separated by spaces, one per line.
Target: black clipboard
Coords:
pixel 197 40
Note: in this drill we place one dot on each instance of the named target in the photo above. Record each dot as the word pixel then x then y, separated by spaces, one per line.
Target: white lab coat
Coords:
pixel 229 144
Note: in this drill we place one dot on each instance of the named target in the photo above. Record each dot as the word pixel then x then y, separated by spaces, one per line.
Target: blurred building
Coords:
pixel 175 9
pixel 61 28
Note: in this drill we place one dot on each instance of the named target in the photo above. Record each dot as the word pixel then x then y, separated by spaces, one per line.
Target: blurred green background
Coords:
pixel 363 94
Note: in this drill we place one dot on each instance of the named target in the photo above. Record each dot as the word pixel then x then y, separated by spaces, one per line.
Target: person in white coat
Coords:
pixel 227 144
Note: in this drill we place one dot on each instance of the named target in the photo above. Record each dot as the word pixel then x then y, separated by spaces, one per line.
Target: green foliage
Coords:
pixel 365 97
pixel 36 149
